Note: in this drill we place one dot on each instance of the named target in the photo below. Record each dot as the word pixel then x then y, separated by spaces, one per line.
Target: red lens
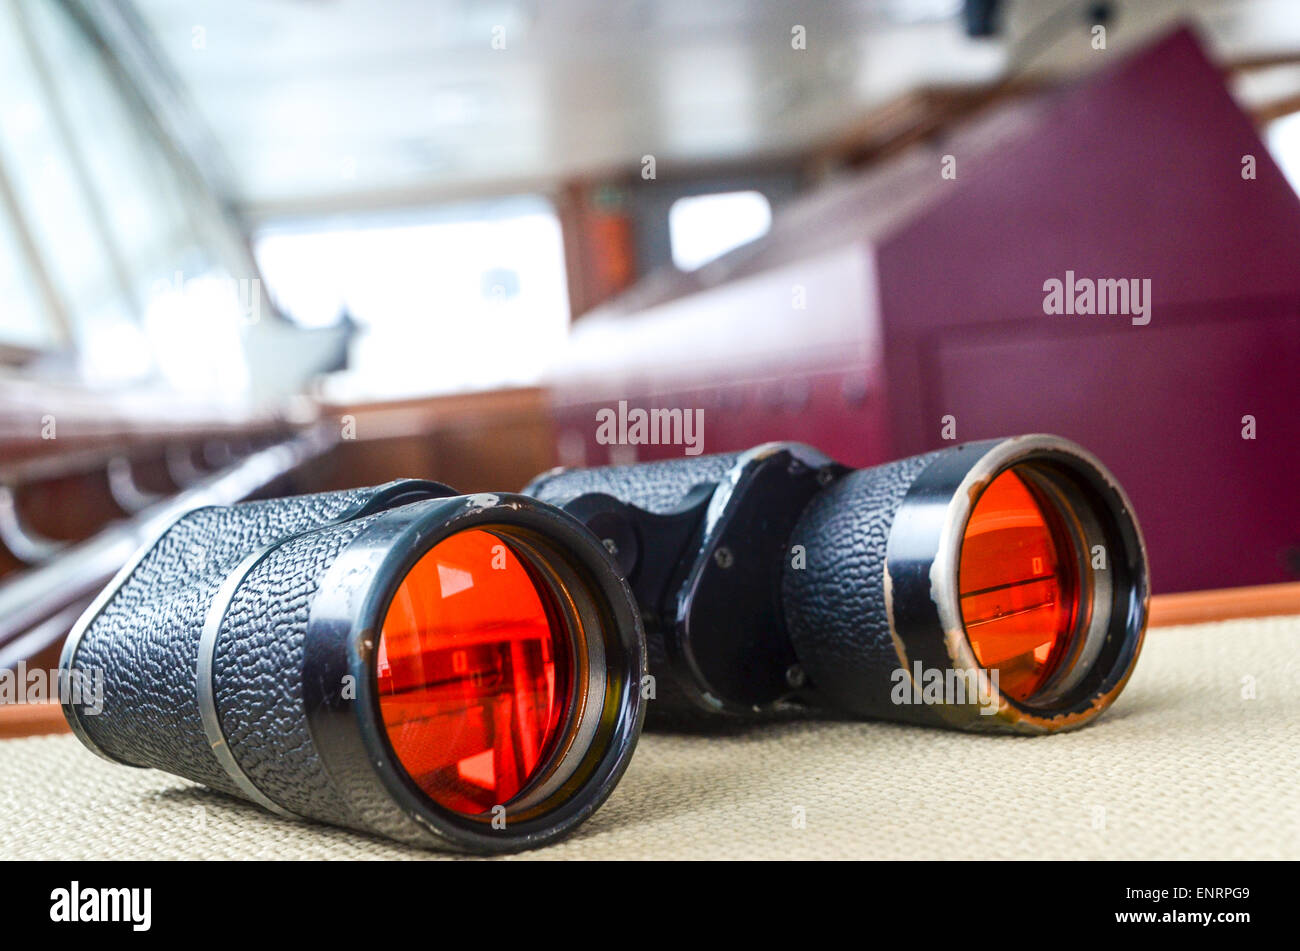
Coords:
pixel 1019 587
pixel 475 673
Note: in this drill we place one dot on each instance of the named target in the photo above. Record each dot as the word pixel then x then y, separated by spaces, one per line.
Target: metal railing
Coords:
pixel 39 606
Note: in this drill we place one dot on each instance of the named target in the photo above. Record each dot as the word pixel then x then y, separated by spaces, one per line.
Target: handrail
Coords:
pixel 32 598
pixel 216 453
pixel 180 465
pixel 126 492
pixel 118 471
pixel 27 546
pixel 62 465
pixel 89 453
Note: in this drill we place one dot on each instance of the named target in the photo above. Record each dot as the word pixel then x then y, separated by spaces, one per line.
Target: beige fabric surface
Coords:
pixel 1186 764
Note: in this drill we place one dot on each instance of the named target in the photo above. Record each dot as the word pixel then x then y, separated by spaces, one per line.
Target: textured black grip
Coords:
pixel 653 486
pixel 835 606
pixel 257 674
pixel 145 638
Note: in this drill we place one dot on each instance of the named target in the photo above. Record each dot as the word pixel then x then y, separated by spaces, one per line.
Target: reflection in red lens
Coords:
pixel 1018 584
pixel 475 674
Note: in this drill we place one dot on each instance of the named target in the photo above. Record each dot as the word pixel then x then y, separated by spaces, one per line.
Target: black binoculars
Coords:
pixel 472 672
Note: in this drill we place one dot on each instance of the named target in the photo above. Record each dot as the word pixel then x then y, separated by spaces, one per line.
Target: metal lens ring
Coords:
pixel 1038 574
pixel 497 658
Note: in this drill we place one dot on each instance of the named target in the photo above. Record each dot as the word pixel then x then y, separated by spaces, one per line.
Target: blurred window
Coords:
pixel 1283 138
pixel 22 322
pixel 104 227
pixel 456 298
pixel 704 227
pixel 49 202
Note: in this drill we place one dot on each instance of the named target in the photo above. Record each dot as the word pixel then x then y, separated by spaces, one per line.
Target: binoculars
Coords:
pixel 473 672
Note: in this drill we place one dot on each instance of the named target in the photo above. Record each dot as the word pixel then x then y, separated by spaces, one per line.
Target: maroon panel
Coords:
pixel 1135 174
pixel 1217 510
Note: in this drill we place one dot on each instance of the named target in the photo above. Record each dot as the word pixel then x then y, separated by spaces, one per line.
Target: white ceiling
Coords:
pixel 324 104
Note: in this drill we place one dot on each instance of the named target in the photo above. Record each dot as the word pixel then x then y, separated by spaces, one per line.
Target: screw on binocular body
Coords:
pixel 825 475
pixel 724 557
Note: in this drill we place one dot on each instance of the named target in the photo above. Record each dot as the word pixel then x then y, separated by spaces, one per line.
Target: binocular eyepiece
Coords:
pixel 470 672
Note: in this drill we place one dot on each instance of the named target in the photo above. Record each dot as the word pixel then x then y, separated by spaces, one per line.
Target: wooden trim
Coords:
pixel 1247 64
pixel 1197 607
pixel 1274 109
pixel 31 719
pixel 395 419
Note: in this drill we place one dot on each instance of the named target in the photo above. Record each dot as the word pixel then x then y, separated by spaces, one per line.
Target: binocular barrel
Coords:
pixel 996 586
pixel 454 671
